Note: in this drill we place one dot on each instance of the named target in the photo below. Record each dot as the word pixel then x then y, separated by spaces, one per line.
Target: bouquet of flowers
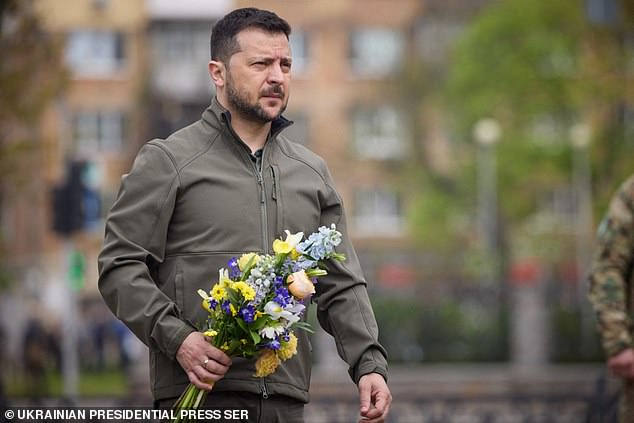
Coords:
pixel 258 302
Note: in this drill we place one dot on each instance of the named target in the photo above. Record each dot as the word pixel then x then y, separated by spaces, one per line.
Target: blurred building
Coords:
pixel 178 46
pixel 98 121
pixel 344 54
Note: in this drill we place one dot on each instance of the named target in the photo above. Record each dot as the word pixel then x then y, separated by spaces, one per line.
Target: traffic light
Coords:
pixel 76 203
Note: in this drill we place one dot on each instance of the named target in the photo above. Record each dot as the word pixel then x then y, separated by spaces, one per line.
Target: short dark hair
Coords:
pixel 224 41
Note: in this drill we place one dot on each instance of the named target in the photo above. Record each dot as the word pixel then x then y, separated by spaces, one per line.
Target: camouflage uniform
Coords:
pixel 611 287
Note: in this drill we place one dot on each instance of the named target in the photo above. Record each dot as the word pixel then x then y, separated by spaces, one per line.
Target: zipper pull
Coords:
pixel 262 191
pixel 274 193
pixel 265 393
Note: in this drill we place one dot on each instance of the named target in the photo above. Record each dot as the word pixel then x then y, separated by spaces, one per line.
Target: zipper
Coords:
pixel 258 174
pixel 263 211
pixel 265 392
pixel 277 197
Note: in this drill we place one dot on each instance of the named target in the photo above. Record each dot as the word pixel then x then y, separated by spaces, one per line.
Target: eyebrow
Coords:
pixel 270 59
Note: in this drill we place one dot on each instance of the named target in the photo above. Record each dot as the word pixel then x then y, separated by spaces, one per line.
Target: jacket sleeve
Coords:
pixel 611 270
pixel 343 306
pixel 136 231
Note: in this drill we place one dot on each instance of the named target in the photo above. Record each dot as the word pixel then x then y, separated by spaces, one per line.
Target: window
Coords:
pixel 376 52
pixel 95 53
pixel 179 54
pixel 435 37
pixel 186 40
pixel 377 212
pixel 378 133
pixel 299 51
pixel 98 131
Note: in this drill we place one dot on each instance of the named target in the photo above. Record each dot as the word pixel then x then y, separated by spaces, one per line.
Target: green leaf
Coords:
pixel 260 323
pixel 303 326
pixel 256 337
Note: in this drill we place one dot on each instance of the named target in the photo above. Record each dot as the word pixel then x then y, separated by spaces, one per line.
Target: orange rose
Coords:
pixel 300 285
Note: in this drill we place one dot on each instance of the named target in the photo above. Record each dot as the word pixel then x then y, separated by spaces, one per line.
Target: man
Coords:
pixel 225 185
pixel 612 293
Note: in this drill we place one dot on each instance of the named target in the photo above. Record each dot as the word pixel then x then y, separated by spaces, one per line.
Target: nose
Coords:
pixel 276 75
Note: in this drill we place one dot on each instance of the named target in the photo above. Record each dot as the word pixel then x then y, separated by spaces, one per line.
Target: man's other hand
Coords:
pixel 374 398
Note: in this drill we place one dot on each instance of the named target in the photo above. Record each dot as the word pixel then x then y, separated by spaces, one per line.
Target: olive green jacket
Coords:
pixel 611 285
pixel 195 200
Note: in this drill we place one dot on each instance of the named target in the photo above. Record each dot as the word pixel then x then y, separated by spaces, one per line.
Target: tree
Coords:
pixel 31 77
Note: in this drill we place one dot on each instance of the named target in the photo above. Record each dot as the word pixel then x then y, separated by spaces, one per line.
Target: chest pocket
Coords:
pixel 295 197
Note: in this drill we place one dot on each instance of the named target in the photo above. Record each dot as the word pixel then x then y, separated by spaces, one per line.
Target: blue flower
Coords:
pixel 274 344
pixel 320 245
pixel 234 269
pixel 282 296
pixel 226 307
pixel 248 313
pixel 278 282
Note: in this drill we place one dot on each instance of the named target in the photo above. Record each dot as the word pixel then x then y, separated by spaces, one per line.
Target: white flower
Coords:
pixel 293 239
pixel 276 311
pixel 271 332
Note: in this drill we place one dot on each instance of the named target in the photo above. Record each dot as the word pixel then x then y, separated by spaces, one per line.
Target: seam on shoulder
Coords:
pixel 169 155
pixel 201 152
pixel 331 187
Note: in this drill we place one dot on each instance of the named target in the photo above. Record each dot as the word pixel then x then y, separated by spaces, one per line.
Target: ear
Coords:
pixel 217 72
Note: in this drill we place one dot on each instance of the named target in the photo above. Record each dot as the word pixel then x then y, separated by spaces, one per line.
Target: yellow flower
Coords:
pixel 218 292
pixel 288 349
pixel 267 363
pixel 299 285
pixel 248 293
pixel 206 303
pixel 233 309
pixel 295 254
pixel 245 258
pixel 210 333
pixel 281 247
pixel 289 244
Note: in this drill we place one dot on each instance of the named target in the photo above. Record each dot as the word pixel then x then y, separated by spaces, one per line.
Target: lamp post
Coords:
pixel 582 181
pixel 487 133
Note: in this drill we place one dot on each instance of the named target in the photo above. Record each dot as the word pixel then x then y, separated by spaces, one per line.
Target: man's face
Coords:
pixel 258 76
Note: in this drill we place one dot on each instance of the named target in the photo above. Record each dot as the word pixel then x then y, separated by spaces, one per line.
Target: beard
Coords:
pixel 239 102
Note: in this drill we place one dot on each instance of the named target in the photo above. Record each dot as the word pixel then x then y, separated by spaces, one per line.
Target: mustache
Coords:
pixel 274 90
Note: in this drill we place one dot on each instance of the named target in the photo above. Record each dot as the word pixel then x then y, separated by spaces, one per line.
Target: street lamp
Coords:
pixel 580 136
pixel 487 133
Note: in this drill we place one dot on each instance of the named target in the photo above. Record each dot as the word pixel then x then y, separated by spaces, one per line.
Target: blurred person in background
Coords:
pixel 36 357
pixel 212 191
pixel 612 291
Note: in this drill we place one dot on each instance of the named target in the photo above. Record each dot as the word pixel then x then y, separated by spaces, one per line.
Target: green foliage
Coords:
pixel 539 67
pixel 567 337
pixel 437 213
pixel 517 61
pixel 444 330
pixel 91 384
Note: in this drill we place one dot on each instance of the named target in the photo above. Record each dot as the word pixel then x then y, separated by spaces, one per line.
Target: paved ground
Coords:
pixel 461 394
pixel 474 394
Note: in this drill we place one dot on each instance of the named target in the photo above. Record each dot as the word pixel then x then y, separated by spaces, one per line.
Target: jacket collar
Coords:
pixel 218 116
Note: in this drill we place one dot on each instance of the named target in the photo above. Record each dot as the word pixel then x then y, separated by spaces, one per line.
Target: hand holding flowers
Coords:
pixel 258 302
